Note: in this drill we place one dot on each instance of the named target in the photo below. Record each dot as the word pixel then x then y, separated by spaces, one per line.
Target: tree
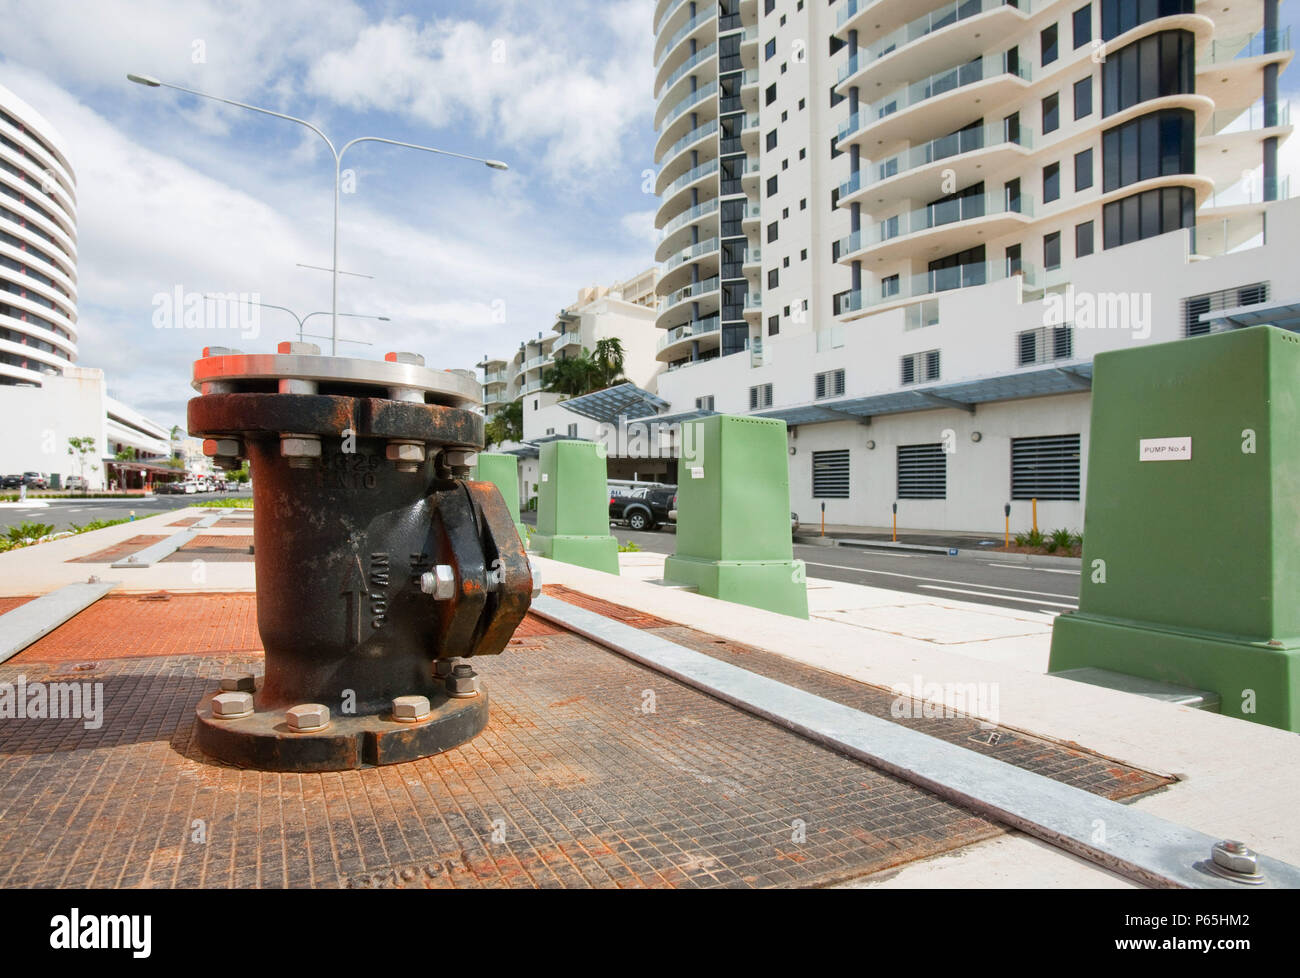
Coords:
pixel 125 455
pixel 82 450
pixel 608 360
pixel 506 425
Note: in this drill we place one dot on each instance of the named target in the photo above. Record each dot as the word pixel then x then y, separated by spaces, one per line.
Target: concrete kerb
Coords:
pixel 1033 560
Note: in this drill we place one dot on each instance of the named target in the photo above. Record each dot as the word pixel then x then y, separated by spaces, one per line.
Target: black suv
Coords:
pixel 642 507
pixel 11 482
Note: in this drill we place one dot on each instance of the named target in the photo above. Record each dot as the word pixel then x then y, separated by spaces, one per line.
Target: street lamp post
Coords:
pixel 151 82
pixel 301 320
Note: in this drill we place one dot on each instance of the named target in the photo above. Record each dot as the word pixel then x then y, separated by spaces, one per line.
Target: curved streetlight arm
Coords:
pixel 494 164
pixel 264 305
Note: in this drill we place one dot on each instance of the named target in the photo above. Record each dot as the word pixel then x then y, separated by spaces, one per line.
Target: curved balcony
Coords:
pixel 687 254
pixel 678 340
pixel 915 163
pixel 664 119
pixel 36 153
pixel 13 161
pixel 662 21
pixel 994 209
pixel 687 67
pixel 699 214
pixel 495 377
pixel 753 216
pixel 665 53
pixel 567 340
pixel 894 116
pixel 695 139
pixel 753 304
pixel 674 309
pixel 753 257
pixel 703 255
pixel 669 202
pixel 895 290
pixel 34 260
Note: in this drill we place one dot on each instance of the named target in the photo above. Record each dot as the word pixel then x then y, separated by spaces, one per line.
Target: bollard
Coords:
pixel 573 506
pixel 376 556
pixel 503 472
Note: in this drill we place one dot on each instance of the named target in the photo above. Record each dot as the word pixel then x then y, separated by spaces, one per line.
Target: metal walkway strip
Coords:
pixel 25 624
pixel 1144 847
pixel 165 548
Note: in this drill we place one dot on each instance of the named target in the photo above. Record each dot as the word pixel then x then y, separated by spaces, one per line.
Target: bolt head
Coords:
pixel 463 682
pixel 242 682
pixel 299 446
pixel 458 459
pixel 229 447
pixel 308 716
pixel 400 357
pixel 439 582
pixel 442 668
pixel 232 705
pixel 411 708
pixel 1235 857
pixel 404 451
pixel 220 351
pixel 302 349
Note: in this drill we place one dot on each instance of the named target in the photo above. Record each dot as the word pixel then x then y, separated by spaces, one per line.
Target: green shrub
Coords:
pixel 629 548
pixel 236 503
pixel 1060 540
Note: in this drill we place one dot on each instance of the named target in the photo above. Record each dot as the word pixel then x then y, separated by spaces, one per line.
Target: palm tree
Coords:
pixel 573 376
pixel 609 361
pixel 506 425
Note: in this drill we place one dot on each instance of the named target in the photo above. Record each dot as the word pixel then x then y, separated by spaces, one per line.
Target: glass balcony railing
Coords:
pixel 697 327
pixel 753 211
pixel 1221 50
pixel 709 14
pixel 530 387
pixel 933 216
pixel 686 254
pixel 694 61
pixel 695 135
pixel 685 218
pixel 536 362
pixel 1254 189
pixel 689 177
pixel 753 300
pixel 1230 121
pixel 567 340
pixel 692 98
pixel 694 290
pixel 895 288
pixel 945 16
pixel 851 8
pixel 496 377
pixel 753 255
pixel 945 147
pixel 672 9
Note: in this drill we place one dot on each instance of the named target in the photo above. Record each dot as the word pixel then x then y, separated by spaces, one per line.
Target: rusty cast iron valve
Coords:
pixel 380 565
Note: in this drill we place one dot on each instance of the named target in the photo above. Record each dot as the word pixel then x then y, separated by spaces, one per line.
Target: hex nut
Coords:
pixel 1235 857
pixel 404 451
pixel 463 681
pixel 240 682
pixel 306 717
pixel 411 709
pixel 442 668
pixel 455 458
pixel 301 349
pixel 402 357
pixel 228 447
pixel 439 582
pixel 232 705
pixel 300 446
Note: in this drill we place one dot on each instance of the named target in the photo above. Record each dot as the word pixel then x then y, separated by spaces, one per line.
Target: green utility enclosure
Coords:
pixel 503 472
pixel 1191 555
pixel 733 515
pixel 573 506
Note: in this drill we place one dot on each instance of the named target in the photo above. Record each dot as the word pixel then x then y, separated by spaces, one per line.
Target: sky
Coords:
pixel 181 194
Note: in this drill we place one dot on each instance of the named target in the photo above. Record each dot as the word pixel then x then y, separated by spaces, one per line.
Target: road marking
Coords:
pixel 1004 597
pixel 874 553
pixel 940 580
pixel 1029 567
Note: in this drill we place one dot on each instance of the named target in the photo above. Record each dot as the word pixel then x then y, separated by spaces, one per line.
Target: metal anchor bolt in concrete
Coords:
pixel 463 681
pixel 439 582
pixel 232 705
pixel 411 709
pixel 1235 861
pixel 307 717
pixel 241 682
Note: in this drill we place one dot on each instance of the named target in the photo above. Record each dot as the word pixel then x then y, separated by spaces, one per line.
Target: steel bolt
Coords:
pixel 307 716
pixel 232 705
pixel 1236 859
pixel 463 681
pixel 228 447
pixel 220 351
pixel 301 349
pixel 412 358
pixel 242 682
pixel 302 451
pixel 442 668
pixel 406 456
pixel 440 582
pixel 455 458
pixel 410 709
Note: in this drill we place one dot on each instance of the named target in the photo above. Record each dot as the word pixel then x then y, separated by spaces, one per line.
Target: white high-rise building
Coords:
pixel 907 227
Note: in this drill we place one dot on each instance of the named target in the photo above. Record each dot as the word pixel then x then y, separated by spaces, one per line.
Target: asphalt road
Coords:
pixel 62 513
pixel 984 581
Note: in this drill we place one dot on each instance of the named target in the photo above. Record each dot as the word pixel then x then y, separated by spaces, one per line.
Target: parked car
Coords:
pixel 642 507
pixel 35 480
pixel 75 483
pixel 169 488
pixel 11 482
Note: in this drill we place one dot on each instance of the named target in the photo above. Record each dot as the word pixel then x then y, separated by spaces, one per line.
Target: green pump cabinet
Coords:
pixel 573 506
pixel 1191 553
pixel 503 472
pixel 733 515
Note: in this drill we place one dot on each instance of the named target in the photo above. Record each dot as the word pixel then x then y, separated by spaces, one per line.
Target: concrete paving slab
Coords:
pixel 32 620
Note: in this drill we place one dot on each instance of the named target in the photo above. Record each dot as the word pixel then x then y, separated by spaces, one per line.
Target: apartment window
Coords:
pixel 1083 243
pixel 704 403
pixel 769 50
pixel 535 401
pixel 889 286
pixel 1147 214
pixel 803 254
pixel 550 431
pixel 771 185
pixel 784 67
pixel 1051 113
pixel 1118 16
pixel 573 430
pixel 835 150
pixel 922 471
pixel 771 140
pixel 830 474
pixel 1044 344
pixel 1154 67
pixel 920 367
pixel 1046 467
pixel 828 384
pixel 773 277
pixel 802 102
pixel 1082 170
pixel 1051 182
pixel 785 164
pixel 760 397
pixel 785 262
pixel 1052 250
pixel 769 96
pixel 1082 26
pixel 803 153
pixel 1083 97
pixel 773 230
pixel 1048 46
pixel 803 203
pixel 769 6
pixel 773 325
pixel 1013 260
pixel 1158 144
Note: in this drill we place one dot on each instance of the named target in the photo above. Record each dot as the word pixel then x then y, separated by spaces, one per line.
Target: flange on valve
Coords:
pixel 382 570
